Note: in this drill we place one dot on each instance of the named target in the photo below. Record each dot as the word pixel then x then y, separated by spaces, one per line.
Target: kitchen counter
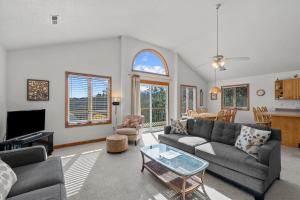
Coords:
pixel 285 113
pixel 289 123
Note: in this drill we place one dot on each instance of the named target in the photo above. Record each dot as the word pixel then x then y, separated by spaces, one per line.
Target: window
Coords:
pixel 236 96
pixel 188 98
pixel 150 61
pixel 88 99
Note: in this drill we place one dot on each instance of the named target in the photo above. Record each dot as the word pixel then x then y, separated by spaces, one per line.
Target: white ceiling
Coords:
pixel 268 31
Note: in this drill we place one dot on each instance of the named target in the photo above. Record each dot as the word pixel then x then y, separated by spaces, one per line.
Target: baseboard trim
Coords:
pixel 59 146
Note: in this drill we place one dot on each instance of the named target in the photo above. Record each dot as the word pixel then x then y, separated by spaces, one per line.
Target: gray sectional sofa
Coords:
pixel 214 141
pixel 39 178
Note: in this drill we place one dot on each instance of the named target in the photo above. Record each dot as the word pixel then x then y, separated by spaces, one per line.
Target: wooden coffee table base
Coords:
pixel 180 184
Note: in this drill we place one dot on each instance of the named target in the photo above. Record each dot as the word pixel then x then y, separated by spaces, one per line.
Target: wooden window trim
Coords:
pixel 156 53
pixel 159 83
pixel 235 86
pixel 67 125
pixel 180 103
pixel 154 82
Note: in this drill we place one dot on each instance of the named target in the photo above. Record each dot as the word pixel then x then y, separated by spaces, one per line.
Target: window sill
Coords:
pixel 240 109
pixel 68 125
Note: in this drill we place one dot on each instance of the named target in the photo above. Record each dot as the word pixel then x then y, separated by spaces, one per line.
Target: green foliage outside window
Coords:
pixel 236 97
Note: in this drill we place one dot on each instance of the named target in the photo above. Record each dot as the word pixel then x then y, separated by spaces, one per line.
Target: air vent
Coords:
pixel 54 19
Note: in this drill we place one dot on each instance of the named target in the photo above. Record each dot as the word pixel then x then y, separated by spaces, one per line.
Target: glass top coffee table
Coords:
pixel 181 171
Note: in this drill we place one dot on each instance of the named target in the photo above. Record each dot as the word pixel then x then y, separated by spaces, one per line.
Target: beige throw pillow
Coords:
pixel 178 127
pixel 251 139
pixel 7 179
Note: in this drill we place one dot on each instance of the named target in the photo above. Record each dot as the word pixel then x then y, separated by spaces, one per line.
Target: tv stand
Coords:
pixel 33 139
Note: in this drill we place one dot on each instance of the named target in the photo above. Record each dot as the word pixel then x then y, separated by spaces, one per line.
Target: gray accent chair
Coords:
pixel 225 160
pixel 39 178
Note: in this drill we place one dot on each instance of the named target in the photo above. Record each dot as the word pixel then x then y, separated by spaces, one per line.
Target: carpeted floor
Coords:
pixel 92 174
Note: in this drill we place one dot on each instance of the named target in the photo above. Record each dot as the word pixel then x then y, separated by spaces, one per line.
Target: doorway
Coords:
pixel 154 104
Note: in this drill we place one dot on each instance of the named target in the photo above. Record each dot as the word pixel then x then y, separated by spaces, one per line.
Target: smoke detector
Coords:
pixel 54 19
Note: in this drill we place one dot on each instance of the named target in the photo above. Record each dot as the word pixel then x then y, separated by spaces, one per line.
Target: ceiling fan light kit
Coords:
pixel 218 62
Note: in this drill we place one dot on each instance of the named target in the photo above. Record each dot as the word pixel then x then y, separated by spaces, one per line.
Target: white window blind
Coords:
pixel 88 100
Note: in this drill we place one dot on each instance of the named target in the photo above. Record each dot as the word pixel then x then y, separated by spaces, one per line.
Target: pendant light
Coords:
pixel 215 89
pixel 218 60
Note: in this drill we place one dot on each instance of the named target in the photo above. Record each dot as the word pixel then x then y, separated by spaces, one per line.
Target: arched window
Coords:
pixel 150 61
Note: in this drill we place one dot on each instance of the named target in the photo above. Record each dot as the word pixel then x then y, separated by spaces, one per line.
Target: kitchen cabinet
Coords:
pixel 288 89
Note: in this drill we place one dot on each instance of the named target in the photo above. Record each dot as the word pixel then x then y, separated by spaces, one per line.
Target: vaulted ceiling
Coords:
pixel 268 31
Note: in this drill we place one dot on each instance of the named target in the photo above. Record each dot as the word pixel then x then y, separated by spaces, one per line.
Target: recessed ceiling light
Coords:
pixel 54 19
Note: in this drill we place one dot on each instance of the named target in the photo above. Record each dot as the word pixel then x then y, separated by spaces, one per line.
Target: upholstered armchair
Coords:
pixel 131 126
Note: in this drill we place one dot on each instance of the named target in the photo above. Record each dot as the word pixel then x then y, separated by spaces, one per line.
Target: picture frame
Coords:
pixel 37 90
pixel 213 96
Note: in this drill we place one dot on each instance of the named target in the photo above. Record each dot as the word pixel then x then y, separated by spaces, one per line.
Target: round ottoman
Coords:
pixel 116 143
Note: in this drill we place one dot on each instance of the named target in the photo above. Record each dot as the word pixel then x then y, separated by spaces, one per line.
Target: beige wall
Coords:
pixel 112 57
pixel 101 57
pixel 187 76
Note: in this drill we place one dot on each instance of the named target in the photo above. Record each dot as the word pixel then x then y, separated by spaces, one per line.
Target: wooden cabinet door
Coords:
pixel 297 89
pixel 288 89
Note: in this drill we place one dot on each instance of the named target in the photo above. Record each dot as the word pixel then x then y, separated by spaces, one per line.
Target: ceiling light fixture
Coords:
pixel 215 89
pixel 219 61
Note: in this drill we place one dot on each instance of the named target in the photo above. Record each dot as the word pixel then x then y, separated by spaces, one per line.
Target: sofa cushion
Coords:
pixel 225 132
pixel 7 179
pixel 178 127
pixel 251 139
pixel 55 192
pixel 184 142
pixel 37 176
pixel 275 133
pixel 127 131
pixel 200 127
pixel 230 157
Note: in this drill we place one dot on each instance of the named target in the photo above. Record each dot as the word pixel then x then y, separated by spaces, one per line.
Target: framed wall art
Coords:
pixel 37 90
pixel 213 96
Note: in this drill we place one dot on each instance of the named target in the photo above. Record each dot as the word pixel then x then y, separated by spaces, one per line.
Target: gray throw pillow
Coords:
pixel 251 139
pixel 178 127
pixel 7 179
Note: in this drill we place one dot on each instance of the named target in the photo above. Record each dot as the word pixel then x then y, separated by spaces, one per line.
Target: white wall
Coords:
pixel 100 57
pixel 266 82
pixel 2 92
pixel 130 47
pixel 111 57
pixel 187 76
pixel 179 73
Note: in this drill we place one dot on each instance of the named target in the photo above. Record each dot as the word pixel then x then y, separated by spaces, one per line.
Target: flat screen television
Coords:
pixel 21 123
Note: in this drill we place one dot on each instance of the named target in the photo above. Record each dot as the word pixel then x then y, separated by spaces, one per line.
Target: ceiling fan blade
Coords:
pixel 204 64
pixel 238 59
pixel 222 68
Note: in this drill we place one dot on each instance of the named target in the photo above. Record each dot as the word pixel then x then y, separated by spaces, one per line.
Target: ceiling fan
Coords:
pixel 219 61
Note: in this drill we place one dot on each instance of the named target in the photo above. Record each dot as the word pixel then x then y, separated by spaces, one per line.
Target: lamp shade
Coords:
pixel 215 90
pixel 116 101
